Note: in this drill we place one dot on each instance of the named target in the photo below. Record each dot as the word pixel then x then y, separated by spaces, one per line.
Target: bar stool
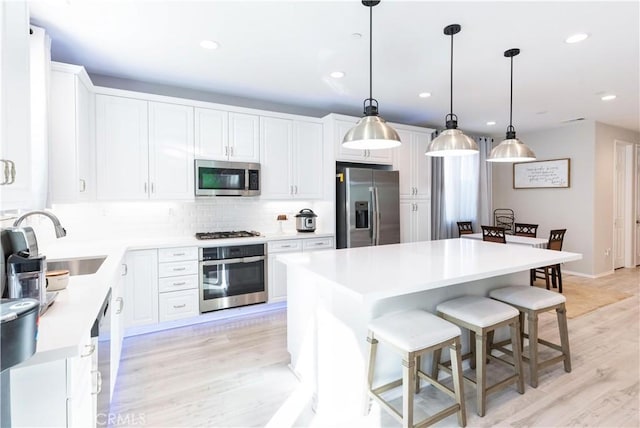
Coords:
pixel 482 316
pixel 412 334
pixel 533 301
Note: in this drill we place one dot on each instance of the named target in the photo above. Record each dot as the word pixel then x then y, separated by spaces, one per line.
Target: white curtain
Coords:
pixel 461 191
pixel 40 71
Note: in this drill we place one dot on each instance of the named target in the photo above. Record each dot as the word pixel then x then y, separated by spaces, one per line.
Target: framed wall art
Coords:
pixel 552 173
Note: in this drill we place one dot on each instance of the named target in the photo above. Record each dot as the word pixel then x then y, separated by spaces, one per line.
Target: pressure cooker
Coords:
pixel 306 221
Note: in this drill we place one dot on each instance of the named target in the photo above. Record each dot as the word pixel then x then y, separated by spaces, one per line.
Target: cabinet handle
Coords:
pixel 296 187
pixel 153 187
pixel 92 349
pixel 120 301
pixel 178 284
pixel 179 306
pixel 178 269
pixel 13 172
pixel 226 151
pixel 285 246
pixel 125 270
pixel 178 254
pixel 83 185
pixel 6 172
pixel 98 382
pixel 145 187
pixel 319 243
pixel 231 149
pixel 291 189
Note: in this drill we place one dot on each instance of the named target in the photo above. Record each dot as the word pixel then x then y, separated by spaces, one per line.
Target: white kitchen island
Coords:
pixel 331 296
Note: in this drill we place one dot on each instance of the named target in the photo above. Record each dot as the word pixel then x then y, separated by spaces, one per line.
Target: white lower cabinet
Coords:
pixel 141 288
pixel 62 391
pixel 277 282
pixel 177 283
pixel 117 324
pixel 415 220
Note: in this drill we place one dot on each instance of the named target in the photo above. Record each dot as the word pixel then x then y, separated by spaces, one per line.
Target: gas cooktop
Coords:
pixel 231 234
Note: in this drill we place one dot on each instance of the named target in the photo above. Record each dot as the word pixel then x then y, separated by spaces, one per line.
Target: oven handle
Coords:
pixel 232 261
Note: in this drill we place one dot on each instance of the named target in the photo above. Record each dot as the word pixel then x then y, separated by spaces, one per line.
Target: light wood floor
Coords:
pixel 234 374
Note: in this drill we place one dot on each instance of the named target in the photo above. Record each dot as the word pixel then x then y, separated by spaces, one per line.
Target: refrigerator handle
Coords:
pixel 376 216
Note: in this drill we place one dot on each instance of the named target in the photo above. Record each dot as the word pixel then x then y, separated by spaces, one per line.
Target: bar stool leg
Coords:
pixel 408 385
pixel 533 347
pixel 472 349
pixel 417 367
pixel 517 354
pixel 435 370
pixel 561 313
pixel 481 373
pixel 456 368
pixel 371 362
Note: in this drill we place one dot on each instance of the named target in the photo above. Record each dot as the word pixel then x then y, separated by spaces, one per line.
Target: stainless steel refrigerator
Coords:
pixel 367 207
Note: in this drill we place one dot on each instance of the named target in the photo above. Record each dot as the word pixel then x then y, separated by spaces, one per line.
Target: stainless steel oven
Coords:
pixel 232 276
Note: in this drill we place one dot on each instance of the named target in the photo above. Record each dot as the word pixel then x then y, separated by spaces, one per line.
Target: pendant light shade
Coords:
pixel 511 149
pixel 371 132
pixel 452 141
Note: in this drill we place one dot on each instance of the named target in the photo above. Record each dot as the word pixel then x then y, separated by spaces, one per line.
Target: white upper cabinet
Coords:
pixel 212 134
pixel 71 139
pixel 244 137
pixel 292 162
pixel 341 127
pixel 145 149
pixel 227 136
pixel 122 146
pixel 413 165
pixel 170 151
pixel 15 124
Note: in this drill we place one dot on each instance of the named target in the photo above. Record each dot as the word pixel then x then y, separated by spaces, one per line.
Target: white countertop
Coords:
pixel 372 273
pixel 64 325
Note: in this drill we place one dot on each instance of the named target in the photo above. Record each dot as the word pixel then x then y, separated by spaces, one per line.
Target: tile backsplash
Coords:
pixel 104 220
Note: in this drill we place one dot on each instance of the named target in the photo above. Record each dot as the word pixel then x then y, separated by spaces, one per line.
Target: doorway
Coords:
pixel 625 235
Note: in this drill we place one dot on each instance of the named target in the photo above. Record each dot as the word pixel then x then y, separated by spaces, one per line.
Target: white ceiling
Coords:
pixel 283 52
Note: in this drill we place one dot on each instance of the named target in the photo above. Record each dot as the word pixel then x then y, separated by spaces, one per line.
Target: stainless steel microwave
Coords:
pixel 220 178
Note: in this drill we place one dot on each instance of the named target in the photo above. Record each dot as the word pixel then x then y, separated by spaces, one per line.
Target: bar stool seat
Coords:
pixel 532 301
pixel 412 334
pixel 482 316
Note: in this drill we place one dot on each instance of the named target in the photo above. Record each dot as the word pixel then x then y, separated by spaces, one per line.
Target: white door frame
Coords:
pixel 637 205
pixel 626 222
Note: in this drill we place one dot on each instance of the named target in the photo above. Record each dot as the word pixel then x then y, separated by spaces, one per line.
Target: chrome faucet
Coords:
pixel 60 232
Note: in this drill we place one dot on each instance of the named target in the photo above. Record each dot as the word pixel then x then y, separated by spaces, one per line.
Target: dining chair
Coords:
pixel 526 229
pixel 493 234
pixel 504 217
pixel 465 228
pixel 550 273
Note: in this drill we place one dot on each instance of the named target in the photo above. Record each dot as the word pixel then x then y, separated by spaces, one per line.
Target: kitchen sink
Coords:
pixel 77 265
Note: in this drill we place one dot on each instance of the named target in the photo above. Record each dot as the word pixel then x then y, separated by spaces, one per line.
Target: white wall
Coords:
pixel 564 208
pixel 606 136
pixel 586 208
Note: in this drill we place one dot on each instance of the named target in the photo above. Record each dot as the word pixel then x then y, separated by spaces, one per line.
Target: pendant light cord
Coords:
pixel 451 79
pixel 511 98
pixel 370 52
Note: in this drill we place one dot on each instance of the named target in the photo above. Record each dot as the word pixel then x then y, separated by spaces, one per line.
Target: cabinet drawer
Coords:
pixel 177 254
pixel 317 244
pixel 284 246
pixel 178 304
pixel 176 283
pixel 177 269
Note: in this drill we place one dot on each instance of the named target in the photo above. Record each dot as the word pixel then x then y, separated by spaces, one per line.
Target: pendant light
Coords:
pixel 452 141
pixel 511 149
pixel 371 132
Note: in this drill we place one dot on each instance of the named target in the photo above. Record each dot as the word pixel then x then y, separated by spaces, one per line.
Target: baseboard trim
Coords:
pixel 584 275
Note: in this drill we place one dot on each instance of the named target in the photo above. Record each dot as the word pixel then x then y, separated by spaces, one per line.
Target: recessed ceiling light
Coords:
pixel 491 123
pixel 608 97
pixel 576 38
pixel 337 74
pixel 424 94
pixel 209 44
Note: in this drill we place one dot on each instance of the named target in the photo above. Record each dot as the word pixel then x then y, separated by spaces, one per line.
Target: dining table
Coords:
pixel 514 239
